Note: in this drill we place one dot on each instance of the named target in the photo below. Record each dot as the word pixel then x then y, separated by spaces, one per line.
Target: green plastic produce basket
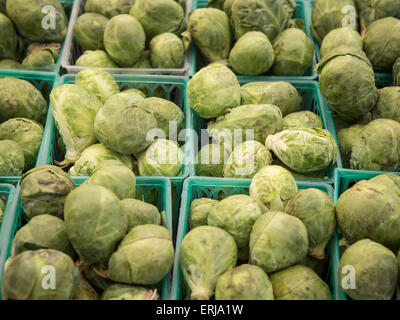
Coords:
pixel 9 194
pixel 195 58
pixel 195 188
pixel 311 101
pixel 148 186
pixel 44 82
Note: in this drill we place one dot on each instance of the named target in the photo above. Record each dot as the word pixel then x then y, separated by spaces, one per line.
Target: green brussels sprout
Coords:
pixel 169 116
pixel 159 16
pixel 301 119
pixel 25 279
pixel 299 283
pixel 162 158
pixel 96 59
pixel 123 123
pixel 377 147
pixel 236 215
pixel 211 33
pixel 126 292
pixel 167 51
pixel 381 43
pixel 8 38
pixel 267 16
pixel 330 14
pixel 388 105
pixel 39 58
pixel 317 211
pixel 374 269
pixel 247 159
pixel 124 39
pixel 347 82
pixel 252 54
pixel 246 282
pixel 97 281
pixel 144 61
pixel 247 122
pixel 74 109
pixel 213 91
pixel 144 256
pixel 85 291
pixel 12 161
pixel 89 31
pixel 99 211
pixel 133 90
pixel 294 53
pixel 40 16
pixel 319 266
pixel 346 138
pixel 341 37
pixel 206 253
pixel 280 94
pixel 272 187
pixel 277 241
pixel 10 64
pixel 370 10
pixel 210 160
pixel 109 8
pixel 310 175
pixel 199 211
pixel 305 149
pixel 19 98
pixel 139 213
pixel 42 232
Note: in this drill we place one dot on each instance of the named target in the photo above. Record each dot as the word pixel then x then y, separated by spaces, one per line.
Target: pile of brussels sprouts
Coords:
pixel 255 36
pixel 265 246
pixel 29 40
pixel 97 240
pixel 132 34
pixel 269 110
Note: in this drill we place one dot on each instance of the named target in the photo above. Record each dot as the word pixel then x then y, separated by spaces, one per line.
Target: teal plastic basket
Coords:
pixel 311 101
pixel 195 58
pixel 9 194
pixel 146 185
pixel 55 68
pixel 195 188
pixel 44 82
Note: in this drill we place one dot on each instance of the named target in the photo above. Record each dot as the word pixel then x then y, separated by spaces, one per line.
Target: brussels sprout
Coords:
pixel 38 13
pixel 310 175
pixel 277 241
pixel 127 292
pixel 95 222
pixel 267 16
pixel 19 98
pixel 144 61
pixel 388 105
pixel 329 14
pixel 246 282
pixel 97 281
pixel 139 213
pixel 42 232
pixel 97 58
pixel 341 37
pixel 396 72
pixel 12 161
pixel 280 94
pixel 162 158
pixel 144 256
pixel 294 53
pixel 133 90
pixel 317 211
pixel 159 16
pixel 74 109
pixel 228 7
pixel 166 51
pixel 211 33
pixel 302 119
pixel 236 215
pixel 210 160
pixel 39 58
pixel 299 283
pixel 85 291
pixel 304 150
pixel 52 47
pixel 346 138
pixel 347 82
pixel 123 123
pixel 252 54
pixel 206 254
pixel 169 116
pixel 374 270
pixel 381 43
pixel 109 8
pixel 10 64
pixel 213 91
pixel 124 39
pixel 246 160
pixel 24 277
pixel 199 211
pixel 319 266
pixel 89 31
pixel 377 147
pixel 8 38
pixel 370 10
